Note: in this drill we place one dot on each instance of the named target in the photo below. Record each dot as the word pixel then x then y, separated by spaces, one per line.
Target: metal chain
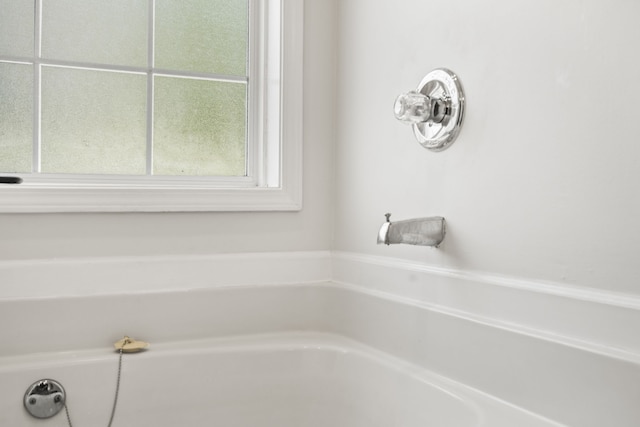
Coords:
pixel 115 399
pixel 66 410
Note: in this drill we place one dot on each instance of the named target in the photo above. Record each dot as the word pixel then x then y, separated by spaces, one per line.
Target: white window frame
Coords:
pixel 276 165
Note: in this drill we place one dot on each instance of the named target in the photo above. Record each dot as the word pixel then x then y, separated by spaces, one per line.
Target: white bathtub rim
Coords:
pixel 616 299
pixel 321 261
pixel 189 273
pixel 560 339
pixel 494 300
pixel 133 259
pixel 564 340
pixel 107 275
pixel 181 290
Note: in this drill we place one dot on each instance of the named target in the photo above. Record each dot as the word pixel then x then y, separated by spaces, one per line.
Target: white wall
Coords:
pixel 544 180
pixel 78 235
pixel 542 183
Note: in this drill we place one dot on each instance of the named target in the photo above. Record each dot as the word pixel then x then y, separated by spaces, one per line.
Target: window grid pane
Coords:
pixel 93 122
pixel 16 28
pixel 16 117
pixel 83 31
pixel 214 30
pixel 199 127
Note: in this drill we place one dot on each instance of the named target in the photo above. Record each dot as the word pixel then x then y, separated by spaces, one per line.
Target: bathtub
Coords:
pixel 273 380
pixel 310 340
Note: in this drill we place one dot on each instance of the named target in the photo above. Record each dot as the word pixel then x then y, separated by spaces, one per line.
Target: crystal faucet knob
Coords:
pixel 434 110
pixel 415 107
pixel 412 107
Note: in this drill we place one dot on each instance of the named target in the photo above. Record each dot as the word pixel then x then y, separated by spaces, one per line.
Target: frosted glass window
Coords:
pixel 96 31
pixel 16 116
pixel 199 127
pixel 93 122
pixel 125 87
pixel 202 35
pixel 16 27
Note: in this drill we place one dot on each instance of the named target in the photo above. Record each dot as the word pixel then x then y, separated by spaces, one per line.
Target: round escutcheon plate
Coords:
pixel 443 84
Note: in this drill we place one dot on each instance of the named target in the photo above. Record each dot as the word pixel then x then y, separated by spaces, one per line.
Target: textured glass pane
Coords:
pixel 16 117
pixel 96 31
pixel 16 27
pixel 199 127
pixel 93 122
pixel 202 35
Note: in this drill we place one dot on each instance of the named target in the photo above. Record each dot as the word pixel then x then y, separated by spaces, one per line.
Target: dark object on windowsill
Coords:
pixel 10 180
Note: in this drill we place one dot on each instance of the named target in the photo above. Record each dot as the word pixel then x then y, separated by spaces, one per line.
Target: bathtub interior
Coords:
pixel 273 383
pixel 302 380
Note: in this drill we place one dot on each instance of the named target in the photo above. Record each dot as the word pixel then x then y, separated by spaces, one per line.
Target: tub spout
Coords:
pixel 420 231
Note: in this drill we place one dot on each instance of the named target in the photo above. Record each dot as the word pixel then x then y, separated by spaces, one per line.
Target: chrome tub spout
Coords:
pixel 420 231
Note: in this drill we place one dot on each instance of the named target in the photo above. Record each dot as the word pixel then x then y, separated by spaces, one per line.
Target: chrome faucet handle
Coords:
pixel 434 110
pixel 415 107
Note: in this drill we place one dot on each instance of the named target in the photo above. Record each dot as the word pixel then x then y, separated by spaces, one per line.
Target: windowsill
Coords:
pixel 37 199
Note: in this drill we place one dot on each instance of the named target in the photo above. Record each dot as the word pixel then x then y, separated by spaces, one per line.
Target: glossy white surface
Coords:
pixel 294 380
pixel 123 275
pixel 569 356
pixel 592 319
